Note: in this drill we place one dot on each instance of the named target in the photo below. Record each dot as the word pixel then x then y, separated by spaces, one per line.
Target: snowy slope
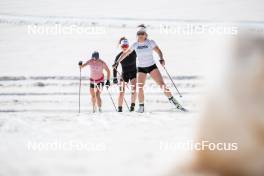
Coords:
pixel 39 85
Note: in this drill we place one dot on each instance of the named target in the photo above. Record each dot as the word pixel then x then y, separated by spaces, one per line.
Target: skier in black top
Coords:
pixel 129 74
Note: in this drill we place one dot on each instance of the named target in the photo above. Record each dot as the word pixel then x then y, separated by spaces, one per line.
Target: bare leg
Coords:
pixel 155 74
pixel 93 98
pixel 141 82
pixel 133 83
pixel 98 98
pixel 121 94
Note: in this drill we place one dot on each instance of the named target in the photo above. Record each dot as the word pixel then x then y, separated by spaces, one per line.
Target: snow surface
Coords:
pixel 43 111
pixel 39 85
pixel 38 105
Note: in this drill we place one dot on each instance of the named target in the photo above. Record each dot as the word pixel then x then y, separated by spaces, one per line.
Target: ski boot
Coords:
pixel 132 107
pixel 120 109
pixel 141 108
pixel 94 109
pixel 177 104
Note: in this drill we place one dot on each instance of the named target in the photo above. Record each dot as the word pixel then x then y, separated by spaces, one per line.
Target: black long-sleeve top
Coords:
pixel 128 64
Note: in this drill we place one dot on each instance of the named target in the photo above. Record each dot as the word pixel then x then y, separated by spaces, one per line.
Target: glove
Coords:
pixel 80 63
pixel 115 81
pixel 162 62
pixel 107 84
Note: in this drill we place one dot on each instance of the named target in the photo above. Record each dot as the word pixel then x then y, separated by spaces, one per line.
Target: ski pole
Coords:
pixel 126 103
pixel 172 81
pixel 80 64
pixel 111 98
pixel 127 87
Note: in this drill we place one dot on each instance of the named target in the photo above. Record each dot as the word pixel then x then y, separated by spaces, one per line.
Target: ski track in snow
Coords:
pixel 130 142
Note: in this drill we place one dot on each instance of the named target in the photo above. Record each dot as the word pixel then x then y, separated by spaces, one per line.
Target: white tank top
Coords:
pixel 145 52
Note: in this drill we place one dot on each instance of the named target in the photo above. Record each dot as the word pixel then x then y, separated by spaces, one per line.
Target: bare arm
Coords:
pixel 159 52
pixel 85 64
pixel 107 70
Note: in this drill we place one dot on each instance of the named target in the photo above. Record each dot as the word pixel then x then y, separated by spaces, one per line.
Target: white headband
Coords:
pixel 141 29
pixel 124 42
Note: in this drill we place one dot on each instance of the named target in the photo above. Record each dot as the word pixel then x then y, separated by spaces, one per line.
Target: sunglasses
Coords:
pixel 124 46
pixel 141 33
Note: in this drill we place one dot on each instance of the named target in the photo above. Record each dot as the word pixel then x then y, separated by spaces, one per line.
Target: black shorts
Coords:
pixel 147 69
pixel 99 85
pixel 129 76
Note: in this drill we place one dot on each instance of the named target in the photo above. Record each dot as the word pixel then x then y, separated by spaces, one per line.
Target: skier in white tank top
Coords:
pixel 146 65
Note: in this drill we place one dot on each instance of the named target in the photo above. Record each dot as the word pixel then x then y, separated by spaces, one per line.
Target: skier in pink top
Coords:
pixel 97 66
